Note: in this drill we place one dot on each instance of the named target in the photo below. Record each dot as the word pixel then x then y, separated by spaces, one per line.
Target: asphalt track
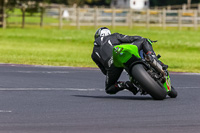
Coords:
pixel 39 99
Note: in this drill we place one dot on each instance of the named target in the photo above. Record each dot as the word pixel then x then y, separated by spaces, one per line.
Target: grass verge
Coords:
pixel 72 47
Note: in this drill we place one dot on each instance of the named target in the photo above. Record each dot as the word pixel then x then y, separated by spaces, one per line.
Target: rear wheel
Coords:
pixel 147 82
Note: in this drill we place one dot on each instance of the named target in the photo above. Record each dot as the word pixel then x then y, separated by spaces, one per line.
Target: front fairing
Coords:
pixel 167 84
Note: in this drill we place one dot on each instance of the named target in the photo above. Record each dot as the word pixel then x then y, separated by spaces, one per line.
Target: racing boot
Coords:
pixel 163 65
pixel 131 87
pixel 113 89
pixel 150 56
pixel 126 85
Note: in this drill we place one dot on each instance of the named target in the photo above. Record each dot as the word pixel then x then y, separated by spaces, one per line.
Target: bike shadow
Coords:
pixel 117 97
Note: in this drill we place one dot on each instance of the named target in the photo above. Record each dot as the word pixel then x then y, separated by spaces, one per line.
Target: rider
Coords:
pixel 102 56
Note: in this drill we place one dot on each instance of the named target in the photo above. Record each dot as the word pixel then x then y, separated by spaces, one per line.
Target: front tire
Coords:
pixel 147 82
pixel 173 93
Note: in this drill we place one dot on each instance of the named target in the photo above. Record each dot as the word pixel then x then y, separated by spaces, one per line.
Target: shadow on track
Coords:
pixel 117 97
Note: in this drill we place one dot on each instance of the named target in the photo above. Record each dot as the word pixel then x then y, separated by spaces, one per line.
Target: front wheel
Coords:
pixel 173 93
pixel 147 82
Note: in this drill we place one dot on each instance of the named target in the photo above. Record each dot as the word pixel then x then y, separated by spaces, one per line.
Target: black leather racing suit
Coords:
pixel 102 56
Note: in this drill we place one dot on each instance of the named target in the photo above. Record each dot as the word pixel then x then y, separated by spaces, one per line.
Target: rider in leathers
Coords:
pixel 102 56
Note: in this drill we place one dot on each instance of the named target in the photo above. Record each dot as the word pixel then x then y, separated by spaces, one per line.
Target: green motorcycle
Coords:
pixel 145 73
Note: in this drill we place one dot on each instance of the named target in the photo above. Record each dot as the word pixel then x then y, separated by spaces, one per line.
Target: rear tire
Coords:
pixel 147 82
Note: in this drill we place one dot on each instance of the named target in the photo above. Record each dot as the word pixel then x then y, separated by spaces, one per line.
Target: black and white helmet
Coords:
pixel 103 31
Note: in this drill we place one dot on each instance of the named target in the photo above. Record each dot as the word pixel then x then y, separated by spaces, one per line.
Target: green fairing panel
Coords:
pixel 167 84
pixel 122 53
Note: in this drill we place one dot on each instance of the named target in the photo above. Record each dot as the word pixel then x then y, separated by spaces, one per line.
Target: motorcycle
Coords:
pixel 145 73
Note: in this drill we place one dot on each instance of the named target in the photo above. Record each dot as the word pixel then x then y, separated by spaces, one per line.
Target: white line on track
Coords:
pixel 182 73
pixel 51 89
pixel 46 72
pixel 71 89
pixel 187 87
pixel 5 111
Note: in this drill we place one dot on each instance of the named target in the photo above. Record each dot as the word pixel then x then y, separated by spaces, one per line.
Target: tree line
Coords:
pixel 101 2
pixel 66 2
pixel 170 2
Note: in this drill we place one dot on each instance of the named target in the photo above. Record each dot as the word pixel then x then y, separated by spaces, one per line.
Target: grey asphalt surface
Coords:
pixel 40 99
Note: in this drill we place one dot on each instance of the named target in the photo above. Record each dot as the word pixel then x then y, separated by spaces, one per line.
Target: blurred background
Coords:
pixel 167 13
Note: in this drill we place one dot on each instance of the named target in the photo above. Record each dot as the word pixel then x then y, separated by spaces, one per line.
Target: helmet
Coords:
pixel 103 31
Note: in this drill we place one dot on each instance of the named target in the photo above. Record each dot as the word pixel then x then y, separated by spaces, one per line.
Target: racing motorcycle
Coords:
pixel 145 73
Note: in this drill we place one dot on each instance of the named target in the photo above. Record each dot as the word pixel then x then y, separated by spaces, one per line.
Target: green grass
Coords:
pixel 72 47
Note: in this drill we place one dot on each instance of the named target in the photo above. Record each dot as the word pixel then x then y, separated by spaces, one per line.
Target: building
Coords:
pixel 133 4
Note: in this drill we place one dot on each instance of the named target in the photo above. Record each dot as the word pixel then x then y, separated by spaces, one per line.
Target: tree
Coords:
pixel 98 2
pixel 78 2
pixel 171 2
pixel 31 6
pixel 1 13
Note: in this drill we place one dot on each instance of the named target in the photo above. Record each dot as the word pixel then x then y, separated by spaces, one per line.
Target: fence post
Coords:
pixel 130 18
pixel 42 16
pixel 23 16
pixel 147 18
pixel 95 17
pixel 168 7
pixel 159 16
pixel 199 7
pixel 4 14
pixel 60 17
pixel 195 20
pixel 113 18
pixel 189 4
pixel 164 18
pixel 77 17
pixel 184 7
pixel 179 19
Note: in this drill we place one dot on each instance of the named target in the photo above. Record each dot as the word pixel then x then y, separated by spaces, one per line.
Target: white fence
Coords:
pixel 69 16
pixel 128 17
